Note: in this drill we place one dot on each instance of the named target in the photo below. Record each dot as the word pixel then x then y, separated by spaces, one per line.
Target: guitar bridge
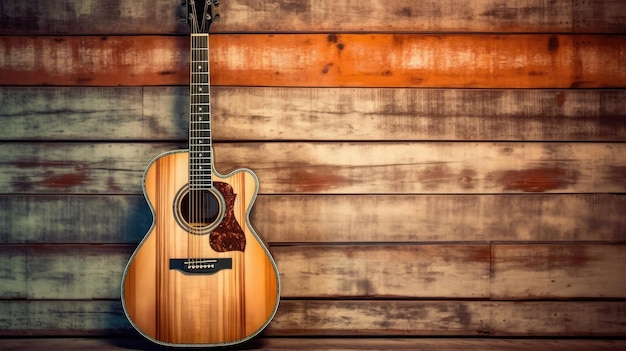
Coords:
pixel 200 265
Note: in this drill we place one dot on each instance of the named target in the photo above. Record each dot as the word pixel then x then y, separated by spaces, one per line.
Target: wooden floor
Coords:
pixel 439 344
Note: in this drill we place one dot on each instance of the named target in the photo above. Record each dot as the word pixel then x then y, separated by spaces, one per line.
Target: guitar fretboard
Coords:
pixel 200 144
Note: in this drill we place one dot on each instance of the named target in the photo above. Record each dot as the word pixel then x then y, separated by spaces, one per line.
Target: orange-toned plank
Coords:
pixel 384 60
pixel 95 61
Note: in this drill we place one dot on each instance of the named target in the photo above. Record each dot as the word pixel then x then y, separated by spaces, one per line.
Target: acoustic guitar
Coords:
pixel 201 276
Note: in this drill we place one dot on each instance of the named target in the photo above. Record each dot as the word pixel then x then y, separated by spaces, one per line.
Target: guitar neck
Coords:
pixel 200 143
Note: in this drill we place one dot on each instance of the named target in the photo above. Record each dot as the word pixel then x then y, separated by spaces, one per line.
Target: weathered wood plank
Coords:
pixel 13 272
pixel 431 167
pixel 440 218
pixel 417 114
pixel 541 271
pixel 269 113
pixel 345 317
pixel 350 317
pixel 93 272
pixel 40 17
pixel 339 168
pixel 370 60
pixel 534 271
pixel 439 271
pixel 336 343
pixel 76 168
pixel 574 318
pixel 62 317
pixel 334 218
pixel 63 271
pixel 73 219
pixel 94 113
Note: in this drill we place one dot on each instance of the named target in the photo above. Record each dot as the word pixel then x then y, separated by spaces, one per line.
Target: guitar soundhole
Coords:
pixel 199 211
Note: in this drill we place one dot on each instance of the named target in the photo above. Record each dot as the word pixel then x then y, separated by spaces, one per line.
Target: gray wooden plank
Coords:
pixel 63 271
pixel 62 318
pixel 345 317
pixel 516 271
pixel 94 271
pixel 144 17
pixel 73 219
pixel 95 113
pixel 334 218
pixel 275 113
pixel 13 271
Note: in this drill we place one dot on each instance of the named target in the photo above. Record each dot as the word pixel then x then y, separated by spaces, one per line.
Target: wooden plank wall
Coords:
pixel 427 168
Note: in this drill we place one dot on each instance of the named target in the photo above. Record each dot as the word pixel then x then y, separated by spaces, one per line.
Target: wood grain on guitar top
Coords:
pixel 173 307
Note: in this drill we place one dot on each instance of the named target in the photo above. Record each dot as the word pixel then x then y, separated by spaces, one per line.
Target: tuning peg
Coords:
pixel 216 2
pixel 216 17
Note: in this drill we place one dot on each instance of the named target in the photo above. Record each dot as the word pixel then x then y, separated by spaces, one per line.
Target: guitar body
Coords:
pixel 199 280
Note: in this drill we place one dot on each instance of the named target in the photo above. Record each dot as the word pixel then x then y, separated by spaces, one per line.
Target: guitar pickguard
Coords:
pixel 228 235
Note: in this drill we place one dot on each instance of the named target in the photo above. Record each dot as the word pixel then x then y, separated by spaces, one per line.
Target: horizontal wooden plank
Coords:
pixel 335 343
pixel 559 318
pixel 508 272
pixel 359 60
pixel 63 271
pixel 63 318
pixel 40 17
pixel 331 168
pixel 93 272
pixel 302 318
pixel 440 218
pixel 270 113
pixel 76 168
pixel 73 219
pixel 334 218
pixel 558 271
pixel 63 113
pixel 345 317
pixel 405 270
pixel 449 318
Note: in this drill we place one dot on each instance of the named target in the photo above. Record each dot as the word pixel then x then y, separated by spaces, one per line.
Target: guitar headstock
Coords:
pixel 201 14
